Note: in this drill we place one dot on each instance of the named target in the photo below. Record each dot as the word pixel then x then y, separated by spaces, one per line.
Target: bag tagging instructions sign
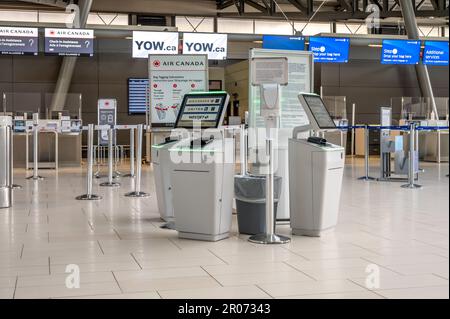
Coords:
pixel 145 43
pixel 19 41
pixel 69 42
pixel 212 44
pixel 171 77
pixel 107 115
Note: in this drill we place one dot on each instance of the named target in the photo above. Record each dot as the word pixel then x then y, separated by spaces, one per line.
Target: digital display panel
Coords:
pixel 201 110
pixel 435 53
pixel 400 52
pixel 19 41
pixel 69 42
pixel 330 50
pixel 137 96
pixel 283 42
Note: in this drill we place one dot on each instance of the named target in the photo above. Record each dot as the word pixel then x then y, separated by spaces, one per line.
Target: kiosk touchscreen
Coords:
pixel 316 170
pixel 202 173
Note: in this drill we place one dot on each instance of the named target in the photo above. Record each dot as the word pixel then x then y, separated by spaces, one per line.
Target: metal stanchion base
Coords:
pixel 108 184
pixel 267 239
pixel 168 225
pixel 88 197
pixel 15 186
pixel 129 175
pixel 366 178
pixel 38 178
pixel 412 186
pixel 137 194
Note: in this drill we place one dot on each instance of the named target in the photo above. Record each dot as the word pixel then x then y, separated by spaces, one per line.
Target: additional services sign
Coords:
pixel 20 41
pixel 400 52
pixel 171 77
pixel 212 44
pixel 283 42
pixel 145 43
pixel 69 42
pixel 436 53
pixel 331 50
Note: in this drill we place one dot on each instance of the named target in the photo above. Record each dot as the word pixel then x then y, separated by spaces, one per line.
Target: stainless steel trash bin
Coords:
pixel 5 162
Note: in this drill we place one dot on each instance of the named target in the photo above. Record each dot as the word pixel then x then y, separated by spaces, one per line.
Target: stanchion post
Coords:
pixel 90 167
pixel 412 158
pixel 366 177
pixel 243 149
pixel 132 147
pixel 110 182
pixel 13 186
pixel 35 175
pixel 137 181
pixel 269 238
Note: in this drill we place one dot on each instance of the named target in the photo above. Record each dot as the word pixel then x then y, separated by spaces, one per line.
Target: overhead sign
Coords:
pixel 69 42
pixel 214 45
pixel 20 41
pixel 145 43
pixel 400 52
pixel 171 78
pixel 436 53
pixel 283 42
pixel 331 50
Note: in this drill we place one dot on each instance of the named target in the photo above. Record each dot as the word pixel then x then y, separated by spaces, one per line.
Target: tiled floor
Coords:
pixel 390 243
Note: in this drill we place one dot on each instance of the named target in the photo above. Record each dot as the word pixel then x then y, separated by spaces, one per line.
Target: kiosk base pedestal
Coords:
pixel 267 239
pixel 203 237
pixel 88 197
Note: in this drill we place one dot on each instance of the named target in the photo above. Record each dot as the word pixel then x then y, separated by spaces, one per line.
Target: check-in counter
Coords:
pixel 55 150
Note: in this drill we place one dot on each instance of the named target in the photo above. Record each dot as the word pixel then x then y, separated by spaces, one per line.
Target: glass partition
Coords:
pixel 337 107
pixel 21 103
pixel 420 108
pixel 68 105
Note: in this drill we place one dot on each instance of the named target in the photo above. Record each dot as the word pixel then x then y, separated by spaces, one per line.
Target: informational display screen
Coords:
pixel 107 115
pixel 145 43
pixel 400 52
pixel 436 53
pixel 138 90
pixel 330 50
pixel 300 73
pixel 19 41
pixel 214 45
pixel 283 42
pixel 202 110
pixel 171 78
pixel 320 112
pixel 69 42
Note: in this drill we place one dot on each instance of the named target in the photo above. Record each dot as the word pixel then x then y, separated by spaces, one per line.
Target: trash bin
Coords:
pixel 250 194
pixel 5 162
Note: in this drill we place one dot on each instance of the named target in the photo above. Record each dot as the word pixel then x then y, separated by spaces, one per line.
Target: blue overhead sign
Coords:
pixel 332 50
pixel 400 52
pixel 435 53
pixel 283 42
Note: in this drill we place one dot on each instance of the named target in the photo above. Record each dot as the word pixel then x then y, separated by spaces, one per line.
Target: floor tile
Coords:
pixel 241 292
pixel 439 292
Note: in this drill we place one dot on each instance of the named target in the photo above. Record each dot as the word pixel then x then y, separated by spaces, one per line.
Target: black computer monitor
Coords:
pixel 317 112
pixel 203 110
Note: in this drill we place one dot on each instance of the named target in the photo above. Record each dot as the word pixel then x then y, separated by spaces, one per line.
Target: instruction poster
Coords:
pixel 107 115
pixel 171 77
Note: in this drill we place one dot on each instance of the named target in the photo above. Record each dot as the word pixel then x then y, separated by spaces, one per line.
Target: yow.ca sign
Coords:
pixel 212 44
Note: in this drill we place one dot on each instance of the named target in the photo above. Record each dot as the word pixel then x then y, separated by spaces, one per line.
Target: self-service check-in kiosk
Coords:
pixel 202 169
pixel 316 171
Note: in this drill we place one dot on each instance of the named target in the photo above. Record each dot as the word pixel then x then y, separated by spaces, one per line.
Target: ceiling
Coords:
pixel 432 11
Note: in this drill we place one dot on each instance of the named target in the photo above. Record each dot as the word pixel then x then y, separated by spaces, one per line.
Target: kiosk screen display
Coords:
pixel 202 110
pixel 320 112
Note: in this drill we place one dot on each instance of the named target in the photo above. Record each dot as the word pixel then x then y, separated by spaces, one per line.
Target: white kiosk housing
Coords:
pixel 316 170
pixel 202 169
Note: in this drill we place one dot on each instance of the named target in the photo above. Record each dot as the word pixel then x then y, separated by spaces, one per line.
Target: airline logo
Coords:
pixel 212 44
pixel 145 43
pixel 19 32
pixel 69 33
